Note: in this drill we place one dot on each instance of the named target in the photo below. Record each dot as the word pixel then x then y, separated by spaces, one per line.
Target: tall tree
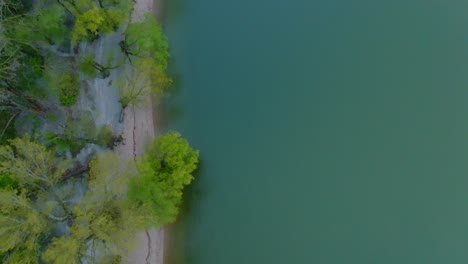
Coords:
pixel 145 78
pixel 165 170
pixel 104 219
pixel 146 40
pixel 28 212
pixel 19 66
pixel 94 21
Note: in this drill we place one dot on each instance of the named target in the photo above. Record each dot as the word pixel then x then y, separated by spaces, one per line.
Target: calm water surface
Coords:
pixel 331 132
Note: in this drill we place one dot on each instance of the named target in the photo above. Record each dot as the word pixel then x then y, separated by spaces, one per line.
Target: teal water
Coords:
pixel 331 131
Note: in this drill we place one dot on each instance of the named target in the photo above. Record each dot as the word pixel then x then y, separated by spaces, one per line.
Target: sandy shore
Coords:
pixel 139 129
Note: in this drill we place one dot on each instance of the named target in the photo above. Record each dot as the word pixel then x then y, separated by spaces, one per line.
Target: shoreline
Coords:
pixel 140 126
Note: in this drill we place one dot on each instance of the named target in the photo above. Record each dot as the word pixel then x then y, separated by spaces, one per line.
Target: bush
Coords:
pixel 69 88
pixel 104 136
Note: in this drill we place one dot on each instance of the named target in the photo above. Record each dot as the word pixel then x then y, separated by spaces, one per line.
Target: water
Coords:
pixel 330 131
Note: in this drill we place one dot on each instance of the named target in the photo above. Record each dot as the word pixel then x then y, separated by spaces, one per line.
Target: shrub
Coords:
pixel 69 88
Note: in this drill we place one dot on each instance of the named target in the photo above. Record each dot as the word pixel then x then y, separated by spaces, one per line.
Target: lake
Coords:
pixel 330 131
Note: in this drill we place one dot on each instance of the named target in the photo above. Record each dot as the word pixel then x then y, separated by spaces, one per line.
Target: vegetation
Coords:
pixel 36 198
pixel 64 196
pixel 165 170
pixel 69 88
pixel 7 126
pixel 92 22
pixel 146 40
pixel 89 66
pixel 146 47
pixel 102 220
pixel 28 212
pixel 146 78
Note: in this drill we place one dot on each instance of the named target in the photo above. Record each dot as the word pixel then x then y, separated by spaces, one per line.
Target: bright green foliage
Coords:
pixel 103 216
pixel 89 24
pixel 31 164
pixel 23 256
pixel 69 89
pixel 26 214
pixel 165 170
pixel 103 221
pixel 63 250
pixel 113 20
pixel 146 40
pixel 21 224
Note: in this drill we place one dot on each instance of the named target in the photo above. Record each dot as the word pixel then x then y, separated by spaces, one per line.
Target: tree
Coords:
pixel 89 67
pixel 165 170
pixel 64 250
pixel 19 67
pixel 145 78
pixel 35 211
pixel 50 24
pixel 28 212
pixel 104 221
pixel 92 22
pixel 146 40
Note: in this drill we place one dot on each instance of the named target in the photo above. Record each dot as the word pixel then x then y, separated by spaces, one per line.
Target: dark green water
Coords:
pixel 331 131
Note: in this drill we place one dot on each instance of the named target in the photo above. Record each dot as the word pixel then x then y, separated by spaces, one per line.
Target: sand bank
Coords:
pixel 138 131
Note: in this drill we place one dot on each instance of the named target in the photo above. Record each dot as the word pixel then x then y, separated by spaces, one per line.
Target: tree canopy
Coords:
pixel 146 40
pixel 165 170
pixel 28 211
pixel 64 197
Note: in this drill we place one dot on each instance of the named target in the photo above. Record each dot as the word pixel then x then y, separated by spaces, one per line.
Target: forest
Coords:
pixel 65 195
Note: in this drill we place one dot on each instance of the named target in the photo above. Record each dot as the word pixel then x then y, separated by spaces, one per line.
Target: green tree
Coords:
pixel 19 69
pixel 89 66
pixel 50 25
pixel 94 21
pixel 63 250
pixel 28 212
pixel 145 78
pixel 165 170
pixel 99 225
pixel 146 40
pixel 104 221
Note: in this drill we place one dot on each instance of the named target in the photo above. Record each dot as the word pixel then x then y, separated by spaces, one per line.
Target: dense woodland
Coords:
pixel 52 208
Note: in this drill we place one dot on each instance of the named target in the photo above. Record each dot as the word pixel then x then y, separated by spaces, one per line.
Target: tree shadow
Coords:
pixel 176 252
pixel 192 193
pixel 171 10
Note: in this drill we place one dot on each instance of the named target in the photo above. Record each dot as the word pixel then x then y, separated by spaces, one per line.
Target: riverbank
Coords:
pixel 139 129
